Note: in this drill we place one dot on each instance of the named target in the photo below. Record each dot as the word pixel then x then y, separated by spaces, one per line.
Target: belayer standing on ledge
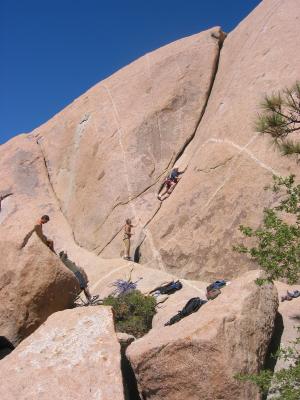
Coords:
pixel 127 237
pixel 38 229
pixel 170 183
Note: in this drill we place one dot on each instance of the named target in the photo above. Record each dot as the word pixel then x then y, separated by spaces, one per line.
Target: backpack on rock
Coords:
pixel 191 306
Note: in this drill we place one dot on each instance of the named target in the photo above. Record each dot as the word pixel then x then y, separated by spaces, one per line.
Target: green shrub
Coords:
pixel 133 312
pixel 277 242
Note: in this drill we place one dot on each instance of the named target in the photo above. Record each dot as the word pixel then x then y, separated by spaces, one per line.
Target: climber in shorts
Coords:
pixel 126 238
pixel 38 229
pixel 80 276
pixel 169 184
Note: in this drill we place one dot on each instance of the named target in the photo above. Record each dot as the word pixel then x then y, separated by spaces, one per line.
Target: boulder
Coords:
pixel 33 285
pixel 74 355
pixel 198 357
pixel 125 339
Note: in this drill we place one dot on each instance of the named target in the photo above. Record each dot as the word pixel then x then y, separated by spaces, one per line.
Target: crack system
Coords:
pixel 220 38
pixel 131 199
pixel 222 164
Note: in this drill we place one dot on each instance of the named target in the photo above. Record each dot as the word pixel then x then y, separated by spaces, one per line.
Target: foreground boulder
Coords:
pixel 33 285
pixel 74 355
pixel 198 357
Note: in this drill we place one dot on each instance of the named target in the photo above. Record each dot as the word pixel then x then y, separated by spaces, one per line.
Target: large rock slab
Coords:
pixel 107 152
pixel 74 355
pixel 198 357
pixel 33 285
pixel 228 164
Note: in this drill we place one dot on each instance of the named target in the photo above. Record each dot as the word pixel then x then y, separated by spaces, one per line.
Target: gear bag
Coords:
pixel 191 306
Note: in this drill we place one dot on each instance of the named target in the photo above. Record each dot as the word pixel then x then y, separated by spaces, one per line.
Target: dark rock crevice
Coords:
pixel 274 345
pixel 6 347
pixel 220 37
pixel 131 391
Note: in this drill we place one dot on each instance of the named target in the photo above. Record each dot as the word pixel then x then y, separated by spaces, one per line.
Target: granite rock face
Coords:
pixel 108 152
pixel 198 357
pixel 105 157
pixel 33 285
pixel 74 355
pixel 228 164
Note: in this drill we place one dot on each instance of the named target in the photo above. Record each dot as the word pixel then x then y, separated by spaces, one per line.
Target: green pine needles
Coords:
pixel 280 118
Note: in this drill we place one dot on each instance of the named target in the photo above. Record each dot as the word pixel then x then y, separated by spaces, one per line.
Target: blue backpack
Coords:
pixel 216 285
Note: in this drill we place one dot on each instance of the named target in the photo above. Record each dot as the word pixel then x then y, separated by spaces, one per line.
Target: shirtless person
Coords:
pixel 38 229
pixel 2 197
pixel 126 238
pixel 170 183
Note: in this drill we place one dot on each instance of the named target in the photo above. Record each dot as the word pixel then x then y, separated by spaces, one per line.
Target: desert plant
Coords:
pixel 133 312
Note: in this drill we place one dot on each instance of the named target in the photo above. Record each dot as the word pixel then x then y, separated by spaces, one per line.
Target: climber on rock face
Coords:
pixel 169 184
pixel 38 229
pixel 80 275
pixel 2 197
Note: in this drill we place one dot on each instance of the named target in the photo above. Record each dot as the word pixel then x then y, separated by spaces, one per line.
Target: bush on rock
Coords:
pixel 133 312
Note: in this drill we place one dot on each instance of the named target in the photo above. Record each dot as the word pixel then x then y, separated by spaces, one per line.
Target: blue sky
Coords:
pixel 51 51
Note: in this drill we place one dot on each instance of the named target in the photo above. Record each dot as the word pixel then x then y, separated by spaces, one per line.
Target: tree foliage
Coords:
pixel 280 118
pixel 277 240
pixel 277 251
